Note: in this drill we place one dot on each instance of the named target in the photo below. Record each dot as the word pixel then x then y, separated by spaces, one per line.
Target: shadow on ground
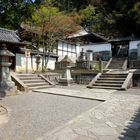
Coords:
pixel 132 130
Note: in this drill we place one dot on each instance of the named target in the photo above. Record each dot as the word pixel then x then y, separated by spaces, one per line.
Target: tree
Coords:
pixel 117 18
pixel 12 12
pixel 52 25
pixel 88 15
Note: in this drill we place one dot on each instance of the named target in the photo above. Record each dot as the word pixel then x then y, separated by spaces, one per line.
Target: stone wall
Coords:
pixel 134 64
pixel 83 78
pixel 136 79
pixel 54 77
pixel 79 78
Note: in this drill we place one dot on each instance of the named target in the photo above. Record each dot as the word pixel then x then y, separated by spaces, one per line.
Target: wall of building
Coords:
pixel 133 48
pixel 21 63
pixel 95 50
pixel 97 47
pixel 71 50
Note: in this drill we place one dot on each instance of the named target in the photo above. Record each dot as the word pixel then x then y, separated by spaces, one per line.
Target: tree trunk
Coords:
pixel 47 59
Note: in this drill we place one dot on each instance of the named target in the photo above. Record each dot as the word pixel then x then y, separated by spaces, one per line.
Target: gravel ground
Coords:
pixel 33 114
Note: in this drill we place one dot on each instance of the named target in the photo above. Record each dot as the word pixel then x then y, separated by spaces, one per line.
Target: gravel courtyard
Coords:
pixel 33 114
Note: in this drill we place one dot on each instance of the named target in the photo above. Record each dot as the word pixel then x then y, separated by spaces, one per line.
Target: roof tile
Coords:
pixel 9 36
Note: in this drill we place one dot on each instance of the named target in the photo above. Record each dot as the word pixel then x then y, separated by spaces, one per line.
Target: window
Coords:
pixel 67 49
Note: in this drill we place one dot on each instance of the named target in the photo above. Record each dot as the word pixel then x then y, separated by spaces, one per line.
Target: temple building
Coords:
pixel 24 56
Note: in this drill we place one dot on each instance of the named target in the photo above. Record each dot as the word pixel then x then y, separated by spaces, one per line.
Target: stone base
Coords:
pixel 65 82
pixel 8 89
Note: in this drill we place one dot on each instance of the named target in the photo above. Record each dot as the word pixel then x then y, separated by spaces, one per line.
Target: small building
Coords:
pixel 21 61
pixel 96 46
pixel 73 45
pixel 12 41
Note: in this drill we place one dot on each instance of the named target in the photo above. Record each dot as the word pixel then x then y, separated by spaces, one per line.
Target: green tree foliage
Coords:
pixel 88 16
pixel 13 12
pixel 51 25
pixel 107 17
pixel 119 18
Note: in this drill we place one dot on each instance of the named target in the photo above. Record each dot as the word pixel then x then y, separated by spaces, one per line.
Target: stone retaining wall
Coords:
pixel 83 78
pixel 136 80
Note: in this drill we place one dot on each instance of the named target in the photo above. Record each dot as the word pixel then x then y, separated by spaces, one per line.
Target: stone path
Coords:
pixel 115 119
pixel 118 118
pixel 30 115
pixel 3 115
pixel 79 92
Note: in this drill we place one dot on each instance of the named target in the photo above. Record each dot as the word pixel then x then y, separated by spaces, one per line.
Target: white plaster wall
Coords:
pixel 97 47
pixel 21 63
pixel 72 56
pixel 51 63
pixel 133 45
pixel 59 45
pixel 78 49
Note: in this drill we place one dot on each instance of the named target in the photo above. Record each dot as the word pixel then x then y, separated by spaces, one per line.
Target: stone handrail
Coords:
pixel 128 81
pixel 47 80
pixel 124 67
pixel 107 65
pixel 21 86
pixel 94 80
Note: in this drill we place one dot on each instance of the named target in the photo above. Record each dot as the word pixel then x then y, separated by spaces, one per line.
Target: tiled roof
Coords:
pixel 85 33
pixel 9 36
pixel 66 59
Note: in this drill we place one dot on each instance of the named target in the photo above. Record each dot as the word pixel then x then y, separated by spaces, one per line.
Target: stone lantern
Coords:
pixel 38 60
pixel 7 87
pixel 66 79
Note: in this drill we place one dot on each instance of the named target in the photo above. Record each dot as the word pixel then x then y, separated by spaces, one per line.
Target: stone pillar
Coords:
pixel 7 87
pixel 89 55
pixel 66 79
pixel 138 56
pixel 100 65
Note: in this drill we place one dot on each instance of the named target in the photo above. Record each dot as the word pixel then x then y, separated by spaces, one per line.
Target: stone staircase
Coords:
pixel 33 81
pixel 109 81
pixel 117 63
pixel 123 52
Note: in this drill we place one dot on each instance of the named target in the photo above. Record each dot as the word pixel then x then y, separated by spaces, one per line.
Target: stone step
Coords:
pixel 113 82
pixel 30 78
pixel 26 75
pixel 33 81
pixel 40 87
pixel 111 79
pixel 115 67
pixel 105 87
pixel 107 84
pixel 116 62
pixel 113 76
pixel 115 73
pixel 36 84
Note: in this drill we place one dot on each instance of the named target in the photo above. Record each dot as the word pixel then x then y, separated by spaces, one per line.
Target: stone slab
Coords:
pixel 93 94
pixel 110 120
